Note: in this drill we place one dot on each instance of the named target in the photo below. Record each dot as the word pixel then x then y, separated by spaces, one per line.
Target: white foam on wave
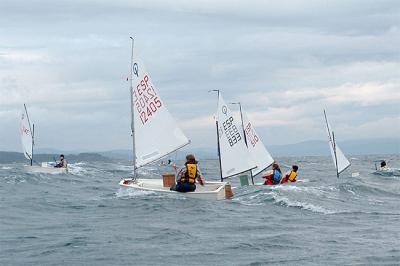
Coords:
pixel 6 168
pixel 302 205
pixel 132 193
pixel 76 169
pixel 318 191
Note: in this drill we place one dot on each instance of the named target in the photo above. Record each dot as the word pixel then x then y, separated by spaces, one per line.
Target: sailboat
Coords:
pixel 234 156
pixel 256 147
pixel 339 159
pixel 27 139
pixel 155 134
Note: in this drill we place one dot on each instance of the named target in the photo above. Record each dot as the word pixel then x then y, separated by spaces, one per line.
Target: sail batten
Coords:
pixel 234 155
pixel 156 133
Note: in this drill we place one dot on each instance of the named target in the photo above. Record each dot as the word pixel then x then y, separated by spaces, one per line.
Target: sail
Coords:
pixel 156 132
pixel 235 157
pixel 26 135
pixel 337 154
pixel 259 153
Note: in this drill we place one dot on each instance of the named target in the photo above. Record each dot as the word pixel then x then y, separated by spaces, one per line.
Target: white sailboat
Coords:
pixel 234 155
pixel 156 134
pixel 27 139
pixel 256 147
pixel 339 159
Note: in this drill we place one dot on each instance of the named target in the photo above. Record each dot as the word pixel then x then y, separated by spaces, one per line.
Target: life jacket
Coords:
pixel 190 174
pixel 277 176
pixel 292 176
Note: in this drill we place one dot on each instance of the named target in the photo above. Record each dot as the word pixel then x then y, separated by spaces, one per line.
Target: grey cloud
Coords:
pixel 189 47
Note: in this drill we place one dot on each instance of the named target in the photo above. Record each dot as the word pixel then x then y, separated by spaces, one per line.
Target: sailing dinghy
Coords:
pixel 234 157
pixel 156 134
pixel 339 159
pixel 27 138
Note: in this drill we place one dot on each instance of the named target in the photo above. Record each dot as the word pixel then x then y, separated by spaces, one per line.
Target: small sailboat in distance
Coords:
pixel 155 134
pixel 27 135
pixel 27 132
pixel 339 159
pixel 256 147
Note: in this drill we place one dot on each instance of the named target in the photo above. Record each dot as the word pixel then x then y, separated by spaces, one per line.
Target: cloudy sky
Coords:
pixel 284 60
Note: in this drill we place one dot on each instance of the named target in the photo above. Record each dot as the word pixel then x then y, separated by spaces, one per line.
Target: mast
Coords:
pixel 327 126
pixel 219 151
pixel 132 113
pixel 32 131
pixel 218 144
pixel 333 143
pixel 33 141
pixel 334 152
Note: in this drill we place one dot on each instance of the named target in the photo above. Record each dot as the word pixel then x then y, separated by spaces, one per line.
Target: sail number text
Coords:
pixel 231 131
pixel 145 99
pixel 251 135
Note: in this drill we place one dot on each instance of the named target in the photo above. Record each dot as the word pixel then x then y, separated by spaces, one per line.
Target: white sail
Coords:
pixel 26 135
pixel 339 159
pixel 259 153
pixel 156 132
pixel 235 157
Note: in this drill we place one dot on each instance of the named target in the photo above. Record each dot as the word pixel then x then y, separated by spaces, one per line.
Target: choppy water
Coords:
pixel 85 218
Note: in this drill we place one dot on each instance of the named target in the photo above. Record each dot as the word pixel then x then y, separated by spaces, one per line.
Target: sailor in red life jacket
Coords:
pixel 275 177
pixel 187 176
pixel 291 176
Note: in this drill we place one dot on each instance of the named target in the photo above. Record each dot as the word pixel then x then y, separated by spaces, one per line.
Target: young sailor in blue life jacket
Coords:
pixel 275 177
pixel 291 176
pixel 187 176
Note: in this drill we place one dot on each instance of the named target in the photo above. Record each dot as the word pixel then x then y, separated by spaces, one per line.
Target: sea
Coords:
pixel 85 218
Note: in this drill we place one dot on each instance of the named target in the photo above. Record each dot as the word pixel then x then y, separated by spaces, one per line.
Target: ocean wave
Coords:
pixel 132 193
pixel 302 205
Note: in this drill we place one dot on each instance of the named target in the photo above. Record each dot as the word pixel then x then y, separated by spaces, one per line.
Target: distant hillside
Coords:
pixel 305 148
pixel 17 157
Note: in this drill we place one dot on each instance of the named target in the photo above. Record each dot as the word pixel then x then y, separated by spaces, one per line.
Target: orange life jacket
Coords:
pixel 292 177
pixel 190 174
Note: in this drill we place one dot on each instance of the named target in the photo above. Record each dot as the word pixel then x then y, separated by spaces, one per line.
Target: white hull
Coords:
pixel 210 190
pixel 45 170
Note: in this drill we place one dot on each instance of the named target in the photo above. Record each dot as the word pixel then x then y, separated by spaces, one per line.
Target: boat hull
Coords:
pixel 388 172
pixel 45 170
pixel 281 184
pixel 210 190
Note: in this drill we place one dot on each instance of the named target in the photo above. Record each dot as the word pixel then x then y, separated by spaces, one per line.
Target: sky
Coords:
pixel 285 61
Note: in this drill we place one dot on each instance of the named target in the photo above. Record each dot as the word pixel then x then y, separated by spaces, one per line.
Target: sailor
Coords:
pixel 384 167
pixel 275 177
pixel 291 176
pixel 188 175
pixel 63 163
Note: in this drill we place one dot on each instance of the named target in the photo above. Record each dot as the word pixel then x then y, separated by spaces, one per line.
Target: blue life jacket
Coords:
pixel 277 177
